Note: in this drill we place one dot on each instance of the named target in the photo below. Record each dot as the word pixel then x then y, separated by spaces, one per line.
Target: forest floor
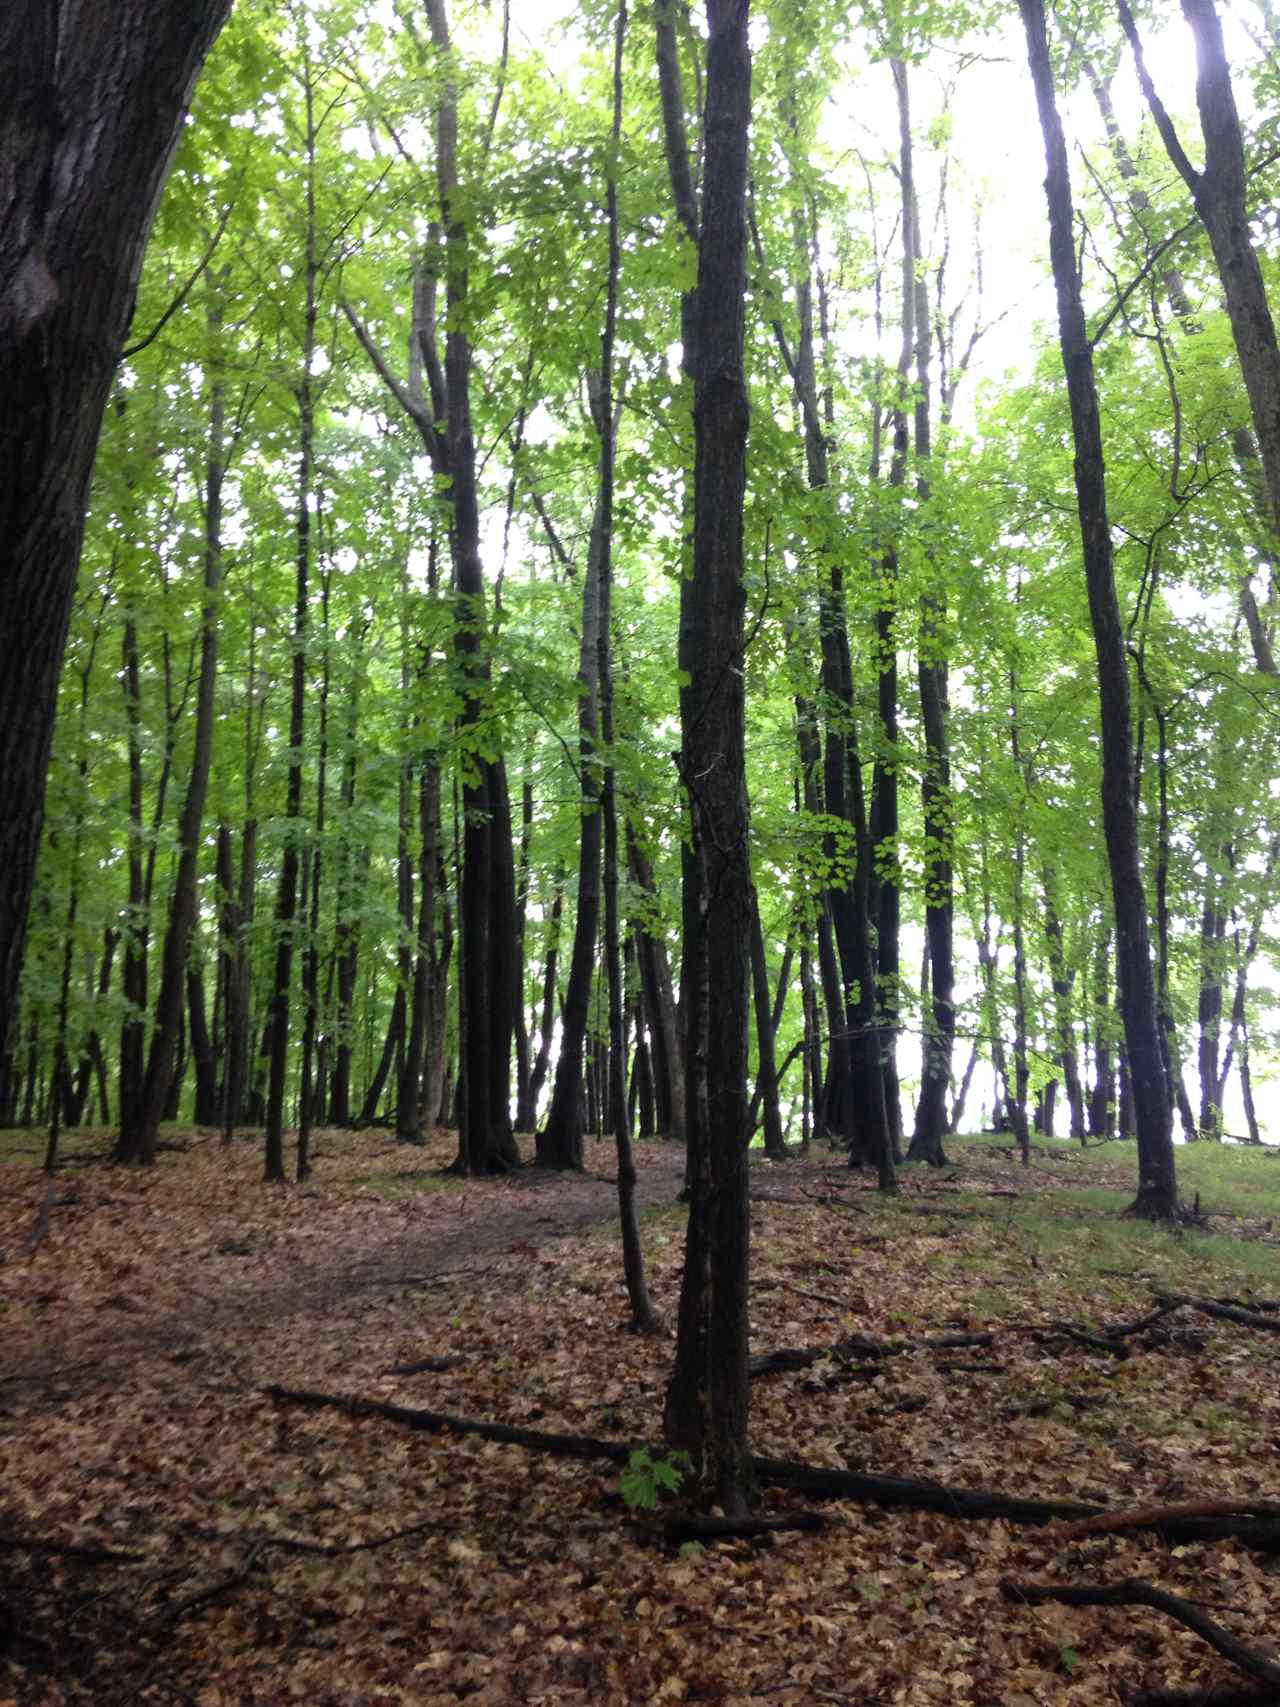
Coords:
pixel 279 1554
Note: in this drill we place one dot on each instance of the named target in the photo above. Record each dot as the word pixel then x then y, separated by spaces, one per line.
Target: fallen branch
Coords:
pixel 337 1550
pixel 1223 1312
pixel 1160 1516
pixel 815 1481
pixel 224 1585
pixel 67 1550
pixel 427 1365
pixel 1133 1592
pixel 858 1345
pixel 440 1422
pixel 802 1292
pixel 1211 1697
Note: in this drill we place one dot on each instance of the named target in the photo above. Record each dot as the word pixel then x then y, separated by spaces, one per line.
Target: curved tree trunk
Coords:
pixel 1157 1189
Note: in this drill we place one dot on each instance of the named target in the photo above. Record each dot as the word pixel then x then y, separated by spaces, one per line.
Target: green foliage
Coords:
pixel 649 1476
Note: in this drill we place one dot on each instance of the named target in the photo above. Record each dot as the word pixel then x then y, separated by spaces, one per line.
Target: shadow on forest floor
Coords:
pixel 336 1559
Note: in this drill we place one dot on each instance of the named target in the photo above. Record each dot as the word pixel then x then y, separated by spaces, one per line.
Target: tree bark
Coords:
pixel 709 1393
pixel 1157 1196
pixel 92 100
pixel 140 1130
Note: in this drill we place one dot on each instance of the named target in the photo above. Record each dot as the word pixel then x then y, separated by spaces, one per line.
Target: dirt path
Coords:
pixel 261 1264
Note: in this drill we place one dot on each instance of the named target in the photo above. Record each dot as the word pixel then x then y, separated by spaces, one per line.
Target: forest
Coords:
pixel 663 598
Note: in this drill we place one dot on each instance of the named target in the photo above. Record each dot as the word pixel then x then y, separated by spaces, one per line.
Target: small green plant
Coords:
pixel 647 1476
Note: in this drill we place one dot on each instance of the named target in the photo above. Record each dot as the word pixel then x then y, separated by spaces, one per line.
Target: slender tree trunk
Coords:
pixel 660 1003
pixel 767 1074
pixel 207 1111
pixel 560 1141
pixel 643 1318
pixel 1157 1196
pixel 1219 194
pixel 551 956
pixel 709 1392
pixel 1063 980
pixel 140 1131
pixel 287 894
pixel 524 1117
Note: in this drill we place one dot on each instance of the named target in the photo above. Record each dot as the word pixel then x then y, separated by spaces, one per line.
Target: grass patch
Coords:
pixel 422 1180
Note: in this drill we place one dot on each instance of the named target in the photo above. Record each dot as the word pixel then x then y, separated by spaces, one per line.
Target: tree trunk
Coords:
pixel 140 1130
pixel 659 1002
pixel 767 1068
pixel 708 1395
pixel 1157 1196
pixel 92 100
pixel 560 1141
pixel 287 894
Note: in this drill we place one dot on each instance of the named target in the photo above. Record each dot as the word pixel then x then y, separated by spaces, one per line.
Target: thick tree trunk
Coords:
pixel 708 1395
pixel 1157 1190
pixel 92 99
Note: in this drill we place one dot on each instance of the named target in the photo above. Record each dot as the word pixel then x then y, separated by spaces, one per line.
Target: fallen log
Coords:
pixel 858 1345
pixel 1223 1312
pixel 1134 1592
pixel 813 1480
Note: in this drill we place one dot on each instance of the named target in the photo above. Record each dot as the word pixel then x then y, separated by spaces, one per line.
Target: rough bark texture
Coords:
pixel 1157 1189
pixel 92 98
pixel 708 1397
pixel 487 900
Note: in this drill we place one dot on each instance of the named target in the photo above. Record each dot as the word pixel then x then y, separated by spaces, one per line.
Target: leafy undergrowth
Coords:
pixel 141 1329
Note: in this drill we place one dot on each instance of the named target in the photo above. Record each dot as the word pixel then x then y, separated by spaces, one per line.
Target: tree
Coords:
pixel 707 1400
pixel 1157 1185
pixel 92 98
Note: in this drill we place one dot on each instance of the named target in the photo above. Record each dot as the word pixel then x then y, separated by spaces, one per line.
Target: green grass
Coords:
pixel 428 1180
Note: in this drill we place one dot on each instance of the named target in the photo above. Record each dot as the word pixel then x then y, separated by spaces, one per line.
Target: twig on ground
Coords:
pixel 1134 1592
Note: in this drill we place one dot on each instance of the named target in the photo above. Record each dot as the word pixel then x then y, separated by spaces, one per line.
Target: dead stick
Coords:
pixel 224 1585
pixel 1133 1592
pixel 1223 1312
pixel 1157 1516
pixel 802 1292
pixel 66 1550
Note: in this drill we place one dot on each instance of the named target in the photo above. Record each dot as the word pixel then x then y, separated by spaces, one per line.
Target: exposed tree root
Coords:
pixel 1134 1592
pixel 814 1480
